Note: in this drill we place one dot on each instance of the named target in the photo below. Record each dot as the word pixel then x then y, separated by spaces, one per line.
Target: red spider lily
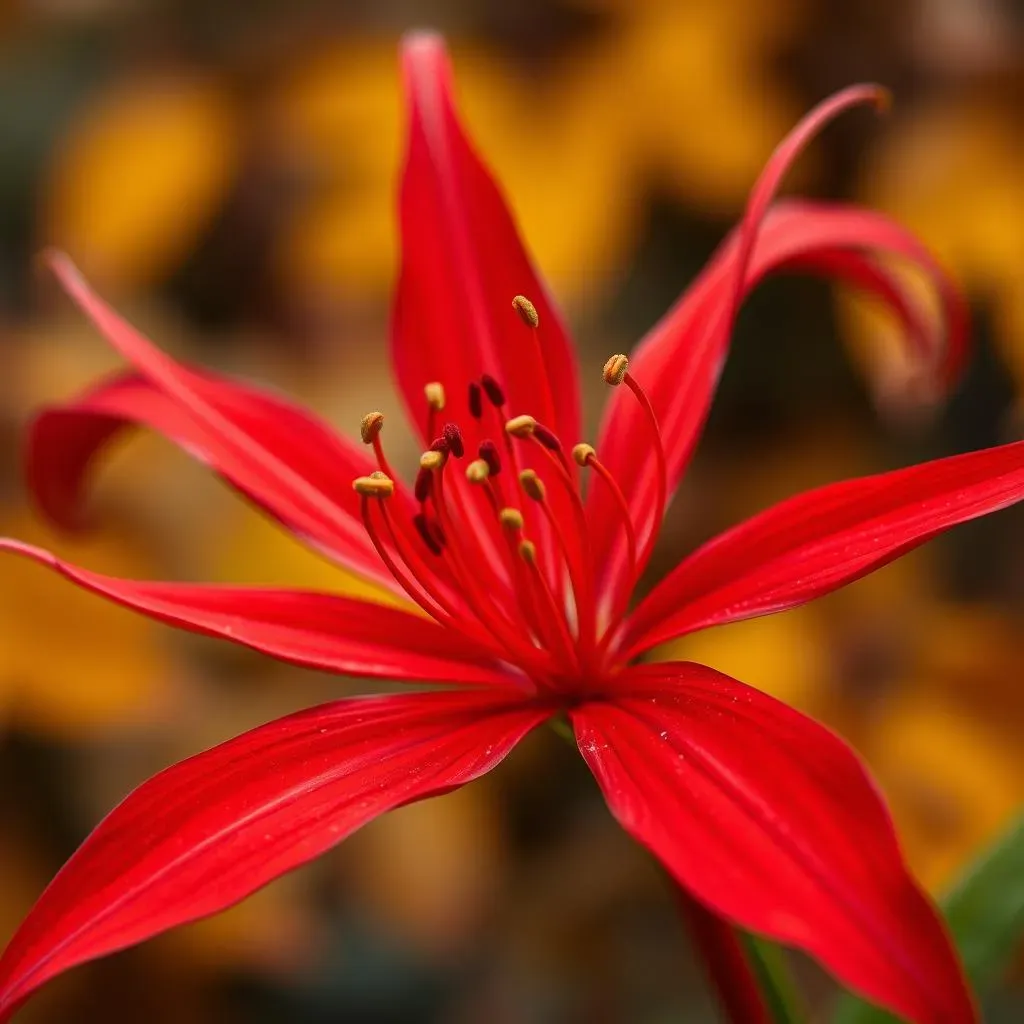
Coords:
pixel 764 816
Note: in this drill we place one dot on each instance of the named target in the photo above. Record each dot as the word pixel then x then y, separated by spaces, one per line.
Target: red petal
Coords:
pixel 823 539
pixel 681 359
pixel 771 821
pixel 286 460
pixel 205 833
pixel 462 264
pixel 323 631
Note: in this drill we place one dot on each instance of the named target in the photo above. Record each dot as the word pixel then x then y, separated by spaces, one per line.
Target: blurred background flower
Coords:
pixel 226 174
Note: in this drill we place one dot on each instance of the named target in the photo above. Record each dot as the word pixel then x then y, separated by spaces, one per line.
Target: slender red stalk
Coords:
pixel 660 468
pixel 725 963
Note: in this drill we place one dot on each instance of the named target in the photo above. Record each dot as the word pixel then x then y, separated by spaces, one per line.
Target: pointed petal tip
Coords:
pixel 55 261
pixel 421 41
pixel 423 51
pixel 208 831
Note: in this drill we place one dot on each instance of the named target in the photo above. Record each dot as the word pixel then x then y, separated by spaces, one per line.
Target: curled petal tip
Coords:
pixel 884 98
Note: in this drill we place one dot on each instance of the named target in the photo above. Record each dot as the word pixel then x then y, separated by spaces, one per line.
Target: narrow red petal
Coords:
pixel 681 359
pixel 205 833
pixel 462 264
pixel 287 461
pixel 818 541
pixel 771 821
pixel 317 630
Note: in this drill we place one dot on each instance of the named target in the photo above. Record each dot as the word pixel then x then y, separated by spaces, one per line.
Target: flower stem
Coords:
pixel 725 963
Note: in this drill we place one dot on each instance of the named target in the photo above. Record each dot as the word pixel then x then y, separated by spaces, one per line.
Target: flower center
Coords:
pixel 500 551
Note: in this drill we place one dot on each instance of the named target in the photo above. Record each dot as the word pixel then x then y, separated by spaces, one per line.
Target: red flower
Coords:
pixel 763 815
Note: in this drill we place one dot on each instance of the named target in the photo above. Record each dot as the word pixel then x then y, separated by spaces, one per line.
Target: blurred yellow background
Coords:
pixel 226 175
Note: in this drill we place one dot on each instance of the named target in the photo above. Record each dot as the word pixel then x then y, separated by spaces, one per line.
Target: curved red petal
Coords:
pixel 316 630
pixel 462 264
pixel 771 821
pixel 816 542
pixel 207 832
pixel 680 360
pixel 282 457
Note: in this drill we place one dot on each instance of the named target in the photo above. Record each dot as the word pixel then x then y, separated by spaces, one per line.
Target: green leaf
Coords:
pixel 985 911
pixel 780 993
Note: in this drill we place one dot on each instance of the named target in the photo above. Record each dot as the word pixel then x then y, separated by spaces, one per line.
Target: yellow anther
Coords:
pixel 532 484
pixel 528 551
pixel 582 453
pixel 435 395
pixel 477 471
pixel 511 518
pixel 432 460
pixel 371 426
pixel 527 310
pixel 615 369
pixel 376 486
pixel 521 426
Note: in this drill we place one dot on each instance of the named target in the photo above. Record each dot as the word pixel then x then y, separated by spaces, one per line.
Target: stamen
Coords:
pixel 511 518
pixel 585 455
pixel 434 392
pixel 424 484
pixel 493 391
pixel 451 433
pixel 616 372
pixel 533 486
pixel 428 535
pixel 482 598
pixel 414 592
pixel 520 426
pixel 371 426
pixel 439 444
pixel 551 623
pixel 527 311
pixel 373 486
pixel 450 615
pixel 369 430
pixel 476 400
pixel 661 468
pixel 488 451
pixel 547 438
pixel 432 460
pixel 477 471
pixel 581 561
pixel 615 369
pixel 582 452
pixel 577 560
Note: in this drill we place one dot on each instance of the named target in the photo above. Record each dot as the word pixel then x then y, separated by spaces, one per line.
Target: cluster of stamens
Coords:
pixel 501 552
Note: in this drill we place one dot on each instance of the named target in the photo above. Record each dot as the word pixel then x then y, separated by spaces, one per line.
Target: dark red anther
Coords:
pixel 476 402
pixel 547 438
pixel 488 451
pixel 493 390
pixel 428 535
pixel 424 485
pixel 440 444
pixel 453 436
